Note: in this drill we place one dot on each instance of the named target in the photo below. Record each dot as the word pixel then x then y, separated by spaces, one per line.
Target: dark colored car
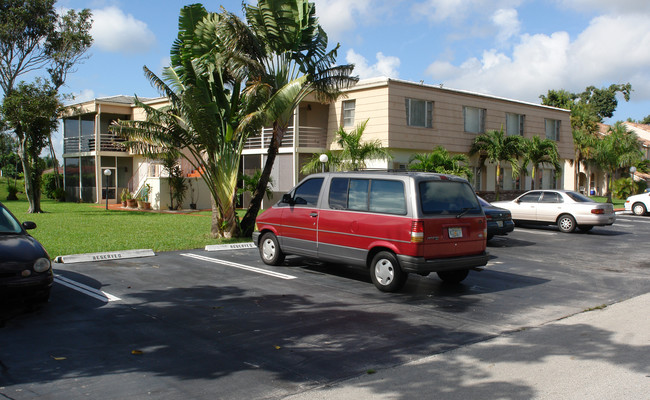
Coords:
pixel 25 268
pixel 499 220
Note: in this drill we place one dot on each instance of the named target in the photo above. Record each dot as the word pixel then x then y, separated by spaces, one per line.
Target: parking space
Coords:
pixel 222 324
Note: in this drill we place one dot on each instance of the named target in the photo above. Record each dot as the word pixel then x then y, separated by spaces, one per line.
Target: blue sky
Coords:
pixel 517 49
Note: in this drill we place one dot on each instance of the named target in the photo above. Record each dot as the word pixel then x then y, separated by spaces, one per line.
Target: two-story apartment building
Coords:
pixel 406 117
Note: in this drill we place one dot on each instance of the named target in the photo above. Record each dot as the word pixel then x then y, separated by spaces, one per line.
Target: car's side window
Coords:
pixel 550 197
pixel 387 197
pixel 338 198
pixel 530 197
pixel 376 195
pixel 358 194
pixel 307 193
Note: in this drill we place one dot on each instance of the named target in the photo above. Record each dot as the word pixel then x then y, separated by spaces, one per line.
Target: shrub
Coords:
pixel 50 188
pixel 624 187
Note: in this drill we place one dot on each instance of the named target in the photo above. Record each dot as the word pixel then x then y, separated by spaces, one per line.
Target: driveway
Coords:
pixel 205 325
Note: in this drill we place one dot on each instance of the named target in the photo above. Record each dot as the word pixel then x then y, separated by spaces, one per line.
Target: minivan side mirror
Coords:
pixel 29 225
pixel 286 198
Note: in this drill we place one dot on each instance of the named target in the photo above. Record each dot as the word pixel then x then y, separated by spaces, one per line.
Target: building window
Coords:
pixel 552 129
pixel 419 113
pixel 514 124
pixel 348 113
pixel 474 119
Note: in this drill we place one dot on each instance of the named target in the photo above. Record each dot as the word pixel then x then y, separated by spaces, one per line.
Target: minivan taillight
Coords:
pixel 417 232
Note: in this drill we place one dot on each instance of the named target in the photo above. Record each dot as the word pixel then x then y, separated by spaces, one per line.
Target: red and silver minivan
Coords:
pixel 393 223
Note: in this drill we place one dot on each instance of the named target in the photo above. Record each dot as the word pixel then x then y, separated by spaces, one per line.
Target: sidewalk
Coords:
pixel 599 354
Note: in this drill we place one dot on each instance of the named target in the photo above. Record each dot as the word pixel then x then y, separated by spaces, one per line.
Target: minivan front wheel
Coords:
pixel 270 249
pixel 386 273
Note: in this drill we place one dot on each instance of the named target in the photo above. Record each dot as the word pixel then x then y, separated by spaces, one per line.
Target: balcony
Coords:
pixel 308 136
pixel 107 142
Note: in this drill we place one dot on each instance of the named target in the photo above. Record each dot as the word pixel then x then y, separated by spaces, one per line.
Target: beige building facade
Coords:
pixel 406 117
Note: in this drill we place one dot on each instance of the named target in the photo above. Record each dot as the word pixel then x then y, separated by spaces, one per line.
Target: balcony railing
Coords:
pixel 308 136
pixel 107 142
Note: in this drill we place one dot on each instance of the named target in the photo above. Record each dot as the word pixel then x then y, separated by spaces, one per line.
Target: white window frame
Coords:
pixel 428 113
pixel 518 129
pixel 349 107
pixel 479 117
pixel 552 129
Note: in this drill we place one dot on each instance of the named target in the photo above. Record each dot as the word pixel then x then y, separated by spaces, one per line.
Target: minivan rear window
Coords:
pixel 375 195
pixel 448 197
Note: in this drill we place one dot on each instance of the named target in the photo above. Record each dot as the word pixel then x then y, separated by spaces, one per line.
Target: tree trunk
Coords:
pixel 31 191
pixel 248 222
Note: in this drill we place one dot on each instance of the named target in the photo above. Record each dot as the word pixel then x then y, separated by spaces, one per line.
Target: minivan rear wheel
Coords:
pixel 270 249
pixel 453 276
pixel 386 273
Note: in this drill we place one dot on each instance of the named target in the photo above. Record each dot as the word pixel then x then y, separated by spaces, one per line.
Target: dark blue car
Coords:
pixel 25 269
pixel 499 220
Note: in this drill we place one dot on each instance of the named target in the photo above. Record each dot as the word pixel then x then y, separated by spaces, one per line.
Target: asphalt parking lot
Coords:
pixel 205 325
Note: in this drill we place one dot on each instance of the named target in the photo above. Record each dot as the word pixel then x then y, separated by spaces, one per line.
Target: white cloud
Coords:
pixel 385 66
pixel 459 10
pixel 612 49
pixel 608 6
pixel 339 16
pixel 115 31
pixel 507 22
pixel 84 95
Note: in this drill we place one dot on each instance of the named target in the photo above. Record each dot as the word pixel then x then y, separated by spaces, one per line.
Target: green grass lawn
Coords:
pixel 74 228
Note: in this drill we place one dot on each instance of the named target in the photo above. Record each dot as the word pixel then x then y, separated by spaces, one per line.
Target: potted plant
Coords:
pixel 143 199
pixel 126 195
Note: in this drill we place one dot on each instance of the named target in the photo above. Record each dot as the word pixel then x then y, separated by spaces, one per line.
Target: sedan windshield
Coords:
pixel 8 223
pixel 579 198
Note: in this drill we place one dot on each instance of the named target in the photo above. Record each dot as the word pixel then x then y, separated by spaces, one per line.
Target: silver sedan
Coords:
pixel 565 208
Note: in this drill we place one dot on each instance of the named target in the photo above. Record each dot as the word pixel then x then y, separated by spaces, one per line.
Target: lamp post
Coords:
pixel 107 173
pixel 323 159
pixel 633 171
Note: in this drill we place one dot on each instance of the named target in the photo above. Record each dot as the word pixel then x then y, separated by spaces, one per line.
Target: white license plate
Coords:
pixel 500 224
pixel 455 233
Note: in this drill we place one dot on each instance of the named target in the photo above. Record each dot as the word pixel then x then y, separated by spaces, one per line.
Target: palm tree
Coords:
pixel 584 125
pixel 442 162
pixel 282 52
pixel 538 151
pixel 201 120
pixel 353 153
pixel 496 147
pixel 618 149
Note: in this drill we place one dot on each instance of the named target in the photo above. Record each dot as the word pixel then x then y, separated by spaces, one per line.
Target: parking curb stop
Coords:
pixel 230 246
pixel 104 256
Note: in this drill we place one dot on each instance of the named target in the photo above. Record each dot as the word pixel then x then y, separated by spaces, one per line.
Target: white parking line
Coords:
pixel 87 290
pixel 240 266
pixel 535 232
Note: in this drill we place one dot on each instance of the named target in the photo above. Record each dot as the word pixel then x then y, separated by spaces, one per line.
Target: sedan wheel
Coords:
pixel 386 273
pixel 638 209
pixel 566 223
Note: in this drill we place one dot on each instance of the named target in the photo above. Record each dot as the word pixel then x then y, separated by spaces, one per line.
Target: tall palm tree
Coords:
pixel 496 147
pixel 282 52
pixel 538 151
pixel 584 125
pixel 201 119
pixel 353 154
pixel 442 162
pixel 618 149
